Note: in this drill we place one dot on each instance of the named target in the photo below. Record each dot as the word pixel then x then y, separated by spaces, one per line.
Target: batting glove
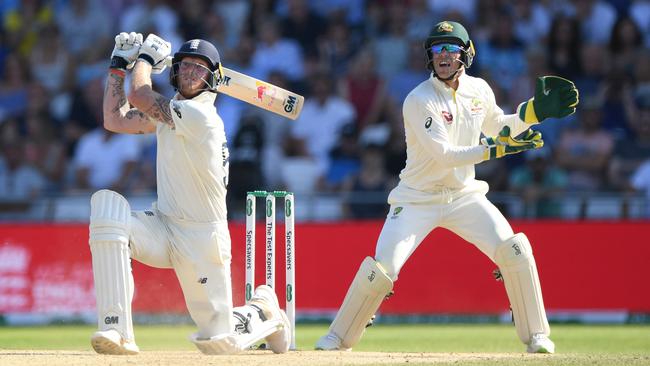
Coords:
pixel 503 144
pixel 555 97
pixel 126 50
pixel 155 50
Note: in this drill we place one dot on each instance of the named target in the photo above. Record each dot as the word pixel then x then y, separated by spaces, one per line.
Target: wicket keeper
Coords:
pixel 444 117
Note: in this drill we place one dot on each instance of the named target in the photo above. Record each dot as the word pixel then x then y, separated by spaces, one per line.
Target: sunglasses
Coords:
pixel 451 48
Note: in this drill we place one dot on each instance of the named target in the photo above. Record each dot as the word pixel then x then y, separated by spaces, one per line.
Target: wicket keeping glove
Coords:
pixel 155 50
pixel 555 97
pixel 503 144
pixel 126 50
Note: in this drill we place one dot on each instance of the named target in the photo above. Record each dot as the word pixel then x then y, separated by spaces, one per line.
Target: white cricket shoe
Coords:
pixel 330 342
pixel 110 342
pixel 540 343
pixel 267 300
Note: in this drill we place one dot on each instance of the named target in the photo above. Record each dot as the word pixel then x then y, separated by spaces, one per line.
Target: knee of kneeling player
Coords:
pixel 110 216
pixel 514 251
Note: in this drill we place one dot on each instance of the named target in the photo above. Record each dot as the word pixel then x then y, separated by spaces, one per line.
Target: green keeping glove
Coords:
pixel 555 97
pixel 503 144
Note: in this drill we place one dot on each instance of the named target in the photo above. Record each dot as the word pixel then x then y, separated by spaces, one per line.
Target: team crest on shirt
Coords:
pixel 448 117
pixel 477 107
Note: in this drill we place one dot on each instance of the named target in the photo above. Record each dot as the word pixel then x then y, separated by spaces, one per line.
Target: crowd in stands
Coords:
pixel 355 61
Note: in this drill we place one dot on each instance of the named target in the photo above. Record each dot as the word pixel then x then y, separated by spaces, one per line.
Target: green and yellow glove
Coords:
pixel 503 144
pixel 555 97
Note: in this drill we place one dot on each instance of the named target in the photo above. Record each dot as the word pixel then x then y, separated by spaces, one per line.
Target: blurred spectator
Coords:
pixel 258 12
pixel 14 87
pixel 151 16
pixel 584 152
pixel 50 62
pixel 539 182
pixel 314 133
pixel 532 21
pixel 191 19
pixel 344 160
pixel 391 47
pixel 403 81
pixel 419 20
pixel 350 11
pixel 18 180
pixel 85 113
pixel 590 81
pixel 563 47
pixel 364 88
pixel 625 44
pixel 366 191
pixel 303 26
pixel 246 160
pixel 45 151
pixel 21 25
pixel 233 13
pixel 640 11
pixel 441 8
pixel 85 22
pixel 276 53
pixel 104 159
pixel 337 48
pixel 502 58
pixel 597 17
pixel 630 153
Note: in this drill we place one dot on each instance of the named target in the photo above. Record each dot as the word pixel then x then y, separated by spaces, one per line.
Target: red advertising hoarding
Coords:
pixel 595 266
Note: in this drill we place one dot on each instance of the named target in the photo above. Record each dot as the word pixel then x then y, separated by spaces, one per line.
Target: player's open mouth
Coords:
pixel 444 64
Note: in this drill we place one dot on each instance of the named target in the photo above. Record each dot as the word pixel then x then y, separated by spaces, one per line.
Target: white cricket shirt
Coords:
pixel 192 162
pixel 443 127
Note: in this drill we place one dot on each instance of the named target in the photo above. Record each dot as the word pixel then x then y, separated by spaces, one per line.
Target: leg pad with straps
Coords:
pixel 367 291
pixel 517 264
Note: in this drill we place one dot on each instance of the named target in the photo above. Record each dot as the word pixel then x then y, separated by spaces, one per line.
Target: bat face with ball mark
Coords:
pixel 259 93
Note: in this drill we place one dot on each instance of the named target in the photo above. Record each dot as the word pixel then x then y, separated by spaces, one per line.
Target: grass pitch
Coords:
pixel 382 344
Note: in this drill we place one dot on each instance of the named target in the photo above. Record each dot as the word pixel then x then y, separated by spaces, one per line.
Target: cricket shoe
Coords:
pixel 110 342
pixel 330 342
pixel 266 299
pixel 540 343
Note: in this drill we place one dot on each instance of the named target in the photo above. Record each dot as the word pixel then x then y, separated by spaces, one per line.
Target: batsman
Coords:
pixel 444 117
pixel 186 229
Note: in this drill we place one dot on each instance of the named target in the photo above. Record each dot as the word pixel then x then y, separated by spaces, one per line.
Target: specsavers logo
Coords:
pixel 427 122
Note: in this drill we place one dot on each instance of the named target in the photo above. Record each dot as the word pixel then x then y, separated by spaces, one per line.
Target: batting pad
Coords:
pixel 109 244
pixel 368 289
pixel 515 259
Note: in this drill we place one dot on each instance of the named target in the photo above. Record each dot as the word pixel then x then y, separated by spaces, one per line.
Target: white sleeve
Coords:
pixel 190 118
pixel 495 120
pixel 429 129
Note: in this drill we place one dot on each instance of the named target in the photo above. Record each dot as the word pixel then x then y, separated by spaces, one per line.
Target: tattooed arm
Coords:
pixel 118 114
pixel 143 97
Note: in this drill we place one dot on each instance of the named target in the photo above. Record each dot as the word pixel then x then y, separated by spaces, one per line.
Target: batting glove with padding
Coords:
pixel 555 97
pixel 155 50
pixel 126 50
pixel 503 144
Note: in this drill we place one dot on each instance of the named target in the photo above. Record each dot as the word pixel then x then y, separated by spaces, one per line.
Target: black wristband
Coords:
pixel 118 62
pixel 145 57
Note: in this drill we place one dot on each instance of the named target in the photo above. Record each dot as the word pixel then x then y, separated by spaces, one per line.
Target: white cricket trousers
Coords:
pixel 471 216
pixel 200 256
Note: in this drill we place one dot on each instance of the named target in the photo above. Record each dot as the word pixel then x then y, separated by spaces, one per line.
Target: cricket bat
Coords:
pixel 259 93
